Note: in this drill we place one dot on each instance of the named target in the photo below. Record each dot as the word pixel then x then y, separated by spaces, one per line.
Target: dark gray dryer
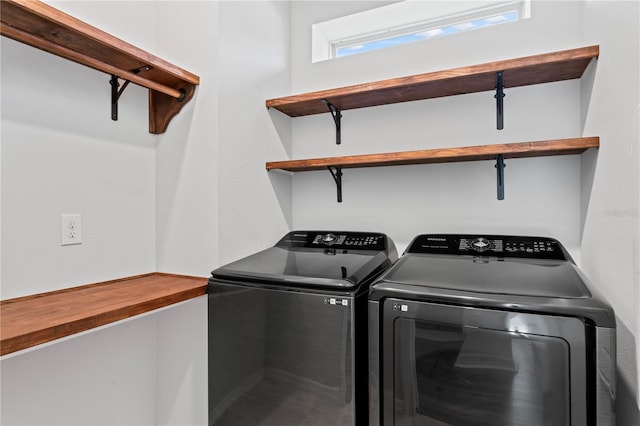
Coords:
pixel 288 331
pixel 489 330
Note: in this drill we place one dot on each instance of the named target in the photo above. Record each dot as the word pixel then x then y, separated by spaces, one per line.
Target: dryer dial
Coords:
pixel 481 244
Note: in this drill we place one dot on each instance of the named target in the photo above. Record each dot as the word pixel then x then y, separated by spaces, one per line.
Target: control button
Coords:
pixel 329 239
pixel 480 244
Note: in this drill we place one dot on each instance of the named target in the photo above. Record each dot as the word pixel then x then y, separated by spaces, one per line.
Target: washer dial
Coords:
pixel 329 238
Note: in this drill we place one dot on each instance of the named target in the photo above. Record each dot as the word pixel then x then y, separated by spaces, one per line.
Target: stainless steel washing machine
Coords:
pixel 489 330
pixel 288 331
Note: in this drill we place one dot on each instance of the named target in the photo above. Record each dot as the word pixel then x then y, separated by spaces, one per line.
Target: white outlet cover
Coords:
pixel 70 229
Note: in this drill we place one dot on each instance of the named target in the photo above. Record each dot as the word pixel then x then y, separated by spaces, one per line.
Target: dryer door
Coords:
pixel 454 365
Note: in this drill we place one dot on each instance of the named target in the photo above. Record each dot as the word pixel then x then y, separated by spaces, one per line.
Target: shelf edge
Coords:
pixel 48 331
pixel 287 104
pixel 63 19
pixel 443 155
pixel 170 89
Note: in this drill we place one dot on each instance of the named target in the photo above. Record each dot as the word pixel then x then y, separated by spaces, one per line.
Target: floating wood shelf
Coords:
pixel 32 320
pixel 44 27
pixel 537 69
pixel 443 155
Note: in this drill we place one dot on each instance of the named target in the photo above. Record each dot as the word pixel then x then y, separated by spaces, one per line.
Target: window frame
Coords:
pixel 378 33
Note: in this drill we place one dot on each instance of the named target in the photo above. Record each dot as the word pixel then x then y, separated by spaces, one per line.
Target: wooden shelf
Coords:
pixel 44 27
pixel 537 69
pixel 40 318
pixel 443 155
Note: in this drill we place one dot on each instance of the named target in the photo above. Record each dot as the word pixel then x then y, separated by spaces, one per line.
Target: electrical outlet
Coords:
pixel 70 229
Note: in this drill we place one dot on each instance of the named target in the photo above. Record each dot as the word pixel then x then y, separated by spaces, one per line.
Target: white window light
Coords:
pixel 409 21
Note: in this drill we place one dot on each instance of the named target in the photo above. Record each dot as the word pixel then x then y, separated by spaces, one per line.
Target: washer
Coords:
pixel 288 331
pixel 489 330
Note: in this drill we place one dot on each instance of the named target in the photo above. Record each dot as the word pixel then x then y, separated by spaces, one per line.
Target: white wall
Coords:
pixel 106 377
pixel 611 239
pixel 63 154
pixel 145 370
pixel 542 195
pixel 180 387
pixel 254 206
pixel 186 156
pixel 177 197
pixel 589 202
pixel 186 208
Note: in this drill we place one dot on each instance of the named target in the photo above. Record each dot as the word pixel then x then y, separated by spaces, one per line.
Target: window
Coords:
pixel 409 21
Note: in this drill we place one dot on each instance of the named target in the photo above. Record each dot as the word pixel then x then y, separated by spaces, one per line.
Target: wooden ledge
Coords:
pixel 45 27
pixel 536 69
pixel 32 320
pixel 443 155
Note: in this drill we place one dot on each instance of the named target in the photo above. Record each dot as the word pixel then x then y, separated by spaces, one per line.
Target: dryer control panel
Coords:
pixel 489 245
pixel 335 240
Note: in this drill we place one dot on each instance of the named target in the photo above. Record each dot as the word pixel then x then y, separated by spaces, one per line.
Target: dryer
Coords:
pixel 489 330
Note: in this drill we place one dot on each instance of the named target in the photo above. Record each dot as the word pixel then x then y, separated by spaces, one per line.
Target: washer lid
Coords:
pixel 528 274
pixel 491 264
pixel 315 259
pixel 522 277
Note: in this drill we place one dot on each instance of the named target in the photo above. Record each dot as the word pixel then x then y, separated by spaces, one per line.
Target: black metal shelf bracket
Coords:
pixel 336 173
pixel 500 175
pixel 499 99
pixel 337 115
pixel 116 93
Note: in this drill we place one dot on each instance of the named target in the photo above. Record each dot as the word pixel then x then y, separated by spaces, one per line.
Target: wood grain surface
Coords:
pixel 44 27
pixel 40 318
pixel 443 155
pixel 544 68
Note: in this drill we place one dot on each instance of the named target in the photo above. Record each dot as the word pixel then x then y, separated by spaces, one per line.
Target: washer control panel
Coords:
pixel 489 245
pixel 335 240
